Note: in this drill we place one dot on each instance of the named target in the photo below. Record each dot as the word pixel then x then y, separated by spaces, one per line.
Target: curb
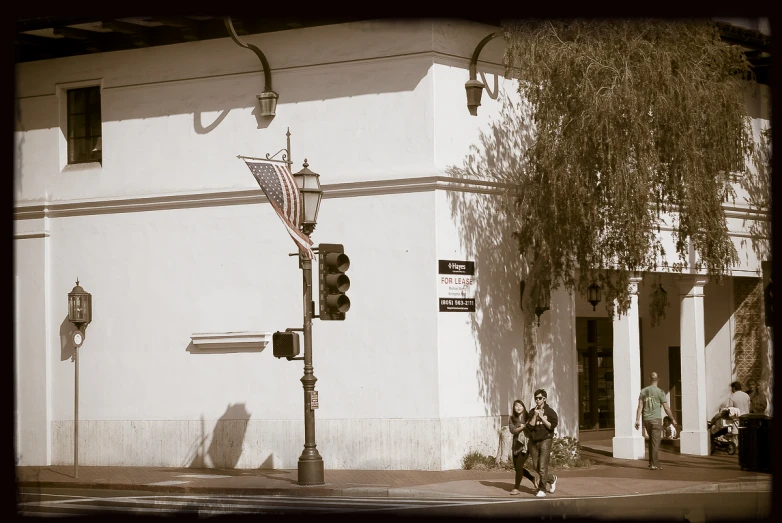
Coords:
pixel 260 491
pixel 182 489
pixel 736 486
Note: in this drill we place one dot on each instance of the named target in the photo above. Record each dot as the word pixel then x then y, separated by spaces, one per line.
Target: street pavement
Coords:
pixel 608 477
pixel 695 507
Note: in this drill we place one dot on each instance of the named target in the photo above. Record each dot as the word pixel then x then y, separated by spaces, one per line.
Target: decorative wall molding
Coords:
pixel 31 235
pixel 36 210
pixel 436 57
pixel 227 342
pixel 23 211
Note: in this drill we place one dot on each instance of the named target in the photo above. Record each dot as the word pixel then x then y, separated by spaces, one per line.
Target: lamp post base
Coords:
pixel 311 472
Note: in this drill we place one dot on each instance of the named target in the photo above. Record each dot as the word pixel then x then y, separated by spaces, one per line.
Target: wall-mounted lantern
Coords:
pixel 593 295
pixel 268 98
pixel 544 297
pixel 79 307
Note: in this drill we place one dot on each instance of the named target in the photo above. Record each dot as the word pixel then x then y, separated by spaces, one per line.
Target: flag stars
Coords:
pixel 280 188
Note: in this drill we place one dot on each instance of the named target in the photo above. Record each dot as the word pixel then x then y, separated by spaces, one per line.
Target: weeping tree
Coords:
pixel 637 125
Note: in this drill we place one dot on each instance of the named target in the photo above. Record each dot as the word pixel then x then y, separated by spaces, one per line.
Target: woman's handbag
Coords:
pixel 520 443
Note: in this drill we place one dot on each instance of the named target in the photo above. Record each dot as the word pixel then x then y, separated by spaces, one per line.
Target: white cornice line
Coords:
pixel 37 210
pixel 31 235
pixel 436 56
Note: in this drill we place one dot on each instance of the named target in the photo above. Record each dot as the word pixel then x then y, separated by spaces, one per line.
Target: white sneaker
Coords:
pixel 554 484
pixel 541 494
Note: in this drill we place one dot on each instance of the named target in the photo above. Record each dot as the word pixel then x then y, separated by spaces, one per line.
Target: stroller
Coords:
pixel 724 431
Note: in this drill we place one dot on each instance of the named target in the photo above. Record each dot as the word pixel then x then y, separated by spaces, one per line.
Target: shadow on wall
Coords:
pixel 486 223
pixel 557 373
pixel 18 146
pixel 67 350
pixel 161 99
pixel 758 187
pixel 198 125
pixel 225 447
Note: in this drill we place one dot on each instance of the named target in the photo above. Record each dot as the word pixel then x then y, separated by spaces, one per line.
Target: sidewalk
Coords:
pixel 609 477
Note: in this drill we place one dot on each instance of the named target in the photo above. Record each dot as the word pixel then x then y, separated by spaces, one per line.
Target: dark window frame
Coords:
pixel 84 125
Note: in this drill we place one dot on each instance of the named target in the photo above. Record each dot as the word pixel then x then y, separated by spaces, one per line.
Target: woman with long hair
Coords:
pixel 517 425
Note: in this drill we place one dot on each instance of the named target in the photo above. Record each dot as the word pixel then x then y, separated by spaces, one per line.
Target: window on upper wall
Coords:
pixel 84 125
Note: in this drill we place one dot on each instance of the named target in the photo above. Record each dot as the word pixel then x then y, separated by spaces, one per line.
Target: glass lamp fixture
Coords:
pixel 311 194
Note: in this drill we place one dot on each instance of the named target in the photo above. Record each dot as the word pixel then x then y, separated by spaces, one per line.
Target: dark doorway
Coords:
pixel 675 381
pixel 594 342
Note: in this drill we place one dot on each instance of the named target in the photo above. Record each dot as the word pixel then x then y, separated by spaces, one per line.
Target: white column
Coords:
pixel 694 435
pixel 628 443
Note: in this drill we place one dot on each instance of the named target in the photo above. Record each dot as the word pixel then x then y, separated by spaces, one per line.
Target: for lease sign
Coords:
pixel 456 284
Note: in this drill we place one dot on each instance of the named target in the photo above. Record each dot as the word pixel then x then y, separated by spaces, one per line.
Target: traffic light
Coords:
pixel 332 265
pixel 285 344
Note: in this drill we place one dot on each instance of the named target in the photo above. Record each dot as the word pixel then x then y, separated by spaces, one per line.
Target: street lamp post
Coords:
pixel 310 461
pixel 80 314
pixel 310 194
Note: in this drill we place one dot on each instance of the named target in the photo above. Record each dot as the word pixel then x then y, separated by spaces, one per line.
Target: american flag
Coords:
pixel 280 188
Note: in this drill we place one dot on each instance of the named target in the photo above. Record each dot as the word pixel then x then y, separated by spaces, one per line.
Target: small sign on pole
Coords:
pixel 313 400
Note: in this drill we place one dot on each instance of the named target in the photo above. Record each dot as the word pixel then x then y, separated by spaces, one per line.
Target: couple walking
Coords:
pixel 533 432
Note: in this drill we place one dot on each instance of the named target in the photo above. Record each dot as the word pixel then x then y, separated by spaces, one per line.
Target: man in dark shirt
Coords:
pixel 542 423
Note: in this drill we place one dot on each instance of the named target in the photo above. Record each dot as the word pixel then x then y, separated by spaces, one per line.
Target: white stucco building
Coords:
pixel 182 254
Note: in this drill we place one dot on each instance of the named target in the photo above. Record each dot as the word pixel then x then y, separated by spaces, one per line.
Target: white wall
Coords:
pixel 718 310
pixel 31 348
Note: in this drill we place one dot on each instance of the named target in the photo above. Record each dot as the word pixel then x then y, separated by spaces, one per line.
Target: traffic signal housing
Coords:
pixel 333 282
pixel 285 344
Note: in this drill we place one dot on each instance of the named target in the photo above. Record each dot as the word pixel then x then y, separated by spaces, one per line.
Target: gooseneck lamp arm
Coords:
pixel 268 98
pixel 477 53
pixel 267 73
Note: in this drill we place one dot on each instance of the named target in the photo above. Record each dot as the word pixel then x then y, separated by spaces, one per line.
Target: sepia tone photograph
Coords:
pixel 528 262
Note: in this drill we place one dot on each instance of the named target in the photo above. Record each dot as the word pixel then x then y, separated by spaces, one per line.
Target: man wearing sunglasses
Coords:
pixel 543 422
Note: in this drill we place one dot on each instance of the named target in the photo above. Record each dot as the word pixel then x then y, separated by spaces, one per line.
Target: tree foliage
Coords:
pixel 637 124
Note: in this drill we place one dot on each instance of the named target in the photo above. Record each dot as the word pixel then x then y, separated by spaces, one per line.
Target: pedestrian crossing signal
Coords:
pixel 285 344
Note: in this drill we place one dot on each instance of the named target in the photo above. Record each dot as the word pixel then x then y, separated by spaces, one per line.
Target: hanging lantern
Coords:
pixel 544 299
pixel 593 295
pixel 658 304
